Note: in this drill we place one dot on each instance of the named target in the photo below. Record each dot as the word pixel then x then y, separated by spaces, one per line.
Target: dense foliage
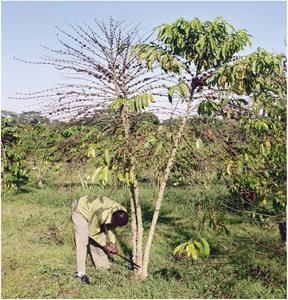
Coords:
pixel 15 171
pixel 258 168
pixel 257 186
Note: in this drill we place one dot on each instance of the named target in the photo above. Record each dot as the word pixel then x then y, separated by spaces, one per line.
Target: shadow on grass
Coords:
pixel 177 229
pixel 167 274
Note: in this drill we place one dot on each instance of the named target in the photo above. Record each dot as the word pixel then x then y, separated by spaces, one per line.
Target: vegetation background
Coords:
pixel 38 250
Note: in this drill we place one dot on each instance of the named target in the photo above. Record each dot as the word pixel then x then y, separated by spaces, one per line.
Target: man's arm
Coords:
pixel 110 242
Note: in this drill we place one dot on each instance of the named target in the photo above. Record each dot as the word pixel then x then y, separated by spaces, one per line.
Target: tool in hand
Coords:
pixel 127 259
pixel 121 256
pixel 103 229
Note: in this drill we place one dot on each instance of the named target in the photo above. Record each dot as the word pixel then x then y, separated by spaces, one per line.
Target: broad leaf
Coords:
pixel 206 247
pixel 200 247
pixel 180 249
pixel 192 251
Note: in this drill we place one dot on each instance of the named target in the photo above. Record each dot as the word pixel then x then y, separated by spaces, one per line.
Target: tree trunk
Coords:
pixel 134 229
pixel 136 213
pixel 282 231
pixel 163 183
pixel 137 235
pixel 139 227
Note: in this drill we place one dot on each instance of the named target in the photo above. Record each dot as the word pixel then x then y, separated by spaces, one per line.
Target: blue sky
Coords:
pixel 28 25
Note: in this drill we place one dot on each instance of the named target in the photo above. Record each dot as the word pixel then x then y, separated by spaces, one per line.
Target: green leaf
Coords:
pixel 91 150
pixel 140 102
pixel 180 88
pixel 104 175
pixel 144 102
pixel 117 103
pixel 183 90
pixel 106 157
pixel 179 249
pixel 127 178
pixel 150 98
pixel 192 251
pixel 152 141
pixel 120 177
pixel 206 247
pixel 200 247
pixel 131 105
pixel 96 173
pixel 253 69
pixel 132 177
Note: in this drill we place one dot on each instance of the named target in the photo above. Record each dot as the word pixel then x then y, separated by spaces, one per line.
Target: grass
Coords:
pixel 38 252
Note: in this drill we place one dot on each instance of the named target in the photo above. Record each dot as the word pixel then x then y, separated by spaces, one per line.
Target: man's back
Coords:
pixel 98 210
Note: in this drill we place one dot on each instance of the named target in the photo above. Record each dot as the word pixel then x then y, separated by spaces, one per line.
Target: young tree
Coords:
pixel 257 172
pixel 103 73
pixel 192 51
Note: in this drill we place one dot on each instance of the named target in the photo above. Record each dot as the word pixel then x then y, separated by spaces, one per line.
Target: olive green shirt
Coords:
pixel 98 210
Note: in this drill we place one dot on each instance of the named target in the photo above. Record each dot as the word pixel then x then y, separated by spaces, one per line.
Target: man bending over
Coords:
pixel 95 219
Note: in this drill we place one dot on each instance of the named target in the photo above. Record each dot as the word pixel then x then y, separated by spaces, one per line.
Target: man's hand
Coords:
pixel 110 249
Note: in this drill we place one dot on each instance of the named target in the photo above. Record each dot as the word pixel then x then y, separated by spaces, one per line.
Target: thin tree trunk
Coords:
pixel 139 228
pixel 139 225
pixel 134 230
pixel 137 236
pixel 136 213
pixel 163 183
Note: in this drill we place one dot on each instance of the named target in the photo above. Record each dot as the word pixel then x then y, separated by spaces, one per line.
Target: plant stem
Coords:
pixel 136 213
pixel 163 183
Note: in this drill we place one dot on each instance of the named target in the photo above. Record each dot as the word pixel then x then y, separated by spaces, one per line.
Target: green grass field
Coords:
pixel 38 252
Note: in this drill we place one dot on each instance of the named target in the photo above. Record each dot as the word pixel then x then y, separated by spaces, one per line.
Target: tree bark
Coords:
pixel 163 183
pixel 136 213
pixel 138 234
pixel 134 230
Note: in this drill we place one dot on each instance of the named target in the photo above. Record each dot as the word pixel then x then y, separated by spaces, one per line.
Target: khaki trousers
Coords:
pixel 99 257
